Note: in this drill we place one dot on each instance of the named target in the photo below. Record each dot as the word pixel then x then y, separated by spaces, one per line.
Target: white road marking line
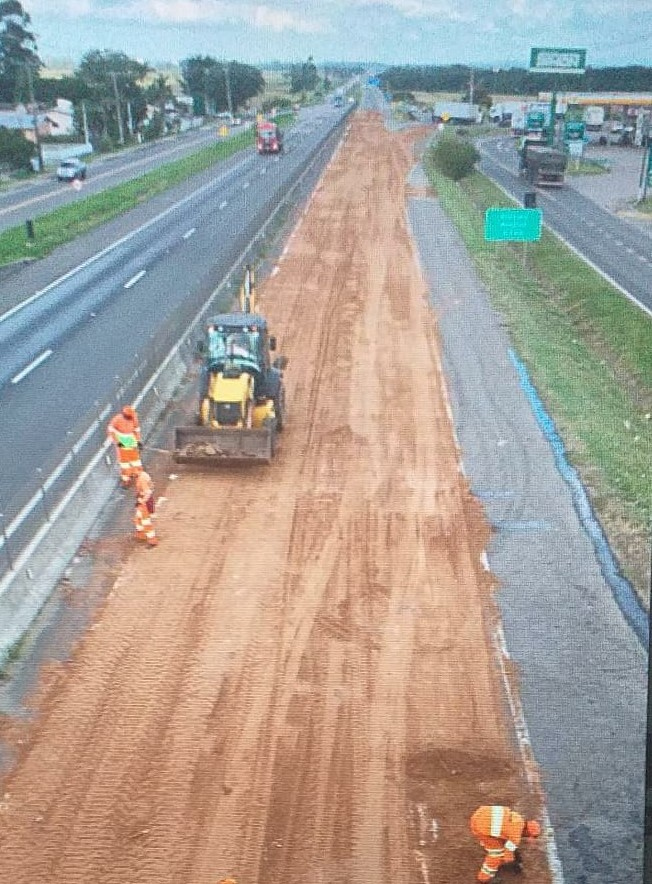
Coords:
pixel 223 204
pixel 34 364
pixel 118 242
pixel 245 185
pixel 134 279
pixel 263 171
pixel 189 233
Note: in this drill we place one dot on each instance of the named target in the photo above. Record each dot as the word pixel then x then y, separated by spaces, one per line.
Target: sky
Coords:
pixel 496 33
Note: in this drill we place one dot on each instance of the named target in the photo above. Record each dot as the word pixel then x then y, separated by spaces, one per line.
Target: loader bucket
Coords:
pixel 205 445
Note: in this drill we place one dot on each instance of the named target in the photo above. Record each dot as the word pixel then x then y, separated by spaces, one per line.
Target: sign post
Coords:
pixel 546 60
pixel 513 225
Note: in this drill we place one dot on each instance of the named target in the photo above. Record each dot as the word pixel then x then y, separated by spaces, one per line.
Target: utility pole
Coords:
pixel 37 137
pixel 227 79
pixel 121 134
pixel 85 123
pixel 471 87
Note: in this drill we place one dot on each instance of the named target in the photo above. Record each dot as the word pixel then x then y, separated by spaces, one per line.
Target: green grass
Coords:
pixel 65 224
pixel 589 353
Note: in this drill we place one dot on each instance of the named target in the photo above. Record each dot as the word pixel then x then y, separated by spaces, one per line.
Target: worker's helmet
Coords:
pixel 532 828
pixel 129 411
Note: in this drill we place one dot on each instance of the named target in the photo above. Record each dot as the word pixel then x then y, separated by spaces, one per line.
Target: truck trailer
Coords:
pixel 543 166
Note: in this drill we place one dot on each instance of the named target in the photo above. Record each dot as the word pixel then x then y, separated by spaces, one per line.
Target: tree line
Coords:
pixel 116 98
pixel 513 81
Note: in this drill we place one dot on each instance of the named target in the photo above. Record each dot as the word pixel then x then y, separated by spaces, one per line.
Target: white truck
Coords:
pixel 593 117
pixel 456 112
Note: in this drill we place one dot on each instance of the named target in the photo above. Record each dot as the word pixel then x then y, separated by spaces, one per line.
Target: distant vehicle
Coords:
pixel 594 117
pixel 269 138
pixel 457 112
pixel 237 121
pixel 541 165
pixel 338 101
pixel 71 170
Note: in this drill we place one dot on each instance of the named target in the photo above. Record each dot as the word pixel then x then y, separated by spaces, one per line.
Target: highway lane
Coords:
pixel 64 349
pixel 46 193
pixel 618 249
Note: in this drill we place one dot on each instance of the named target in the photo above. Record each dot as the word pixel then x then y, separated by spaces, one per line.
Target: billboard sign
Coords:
pixel 557 61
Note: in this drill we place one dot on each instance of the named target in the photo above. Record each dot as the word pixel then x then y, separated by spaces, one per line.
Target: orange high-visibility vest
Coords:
pixel 124 430
pixel 499 829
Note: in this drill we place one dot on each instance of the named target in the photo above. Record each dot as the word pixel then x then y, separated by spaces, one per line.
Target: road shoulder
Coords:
pixel 582 671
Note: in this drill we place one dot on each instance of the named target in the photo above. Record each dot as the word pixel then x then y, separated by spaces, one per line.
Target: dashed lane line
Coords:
pixel 29 368
pixel 134 279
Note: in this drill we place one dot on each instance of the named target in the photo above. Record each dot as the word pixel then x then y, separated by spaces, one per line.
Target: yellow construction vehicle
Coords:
pixel 242 395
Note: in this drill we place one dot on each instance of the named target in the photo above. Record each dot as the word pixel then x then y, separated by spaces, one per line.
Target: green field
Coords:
pixel 589 353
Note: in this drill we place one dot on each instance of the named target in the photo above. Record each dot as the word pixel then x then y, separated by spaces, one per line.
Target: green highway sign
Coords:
pixel 512 225
pixel 557 61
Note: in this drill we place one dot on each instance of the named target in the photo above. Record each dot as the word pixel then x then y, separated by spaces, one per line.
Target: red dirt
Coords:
pixel 300 678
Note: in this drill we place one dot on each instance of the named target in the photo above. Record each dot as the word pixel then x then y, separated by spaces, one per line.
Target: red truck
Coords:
pixel 269 138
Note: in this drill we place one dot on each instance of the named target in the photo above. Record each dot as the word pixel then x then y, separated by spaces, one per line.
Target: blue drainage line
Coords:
pixel 625 597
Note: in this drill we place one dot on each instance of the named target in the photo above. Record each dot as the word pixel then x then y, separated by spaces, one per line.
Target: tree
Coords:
pixel 206 80
pixel 110 83
pixel 16 151
pixel 17 52
pixel 304 77
pixel 454 157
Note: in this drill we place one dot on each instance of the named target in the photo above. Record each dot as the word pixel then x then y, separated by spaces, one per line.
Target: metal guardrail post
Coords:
pixel 46 509
pixel 5 543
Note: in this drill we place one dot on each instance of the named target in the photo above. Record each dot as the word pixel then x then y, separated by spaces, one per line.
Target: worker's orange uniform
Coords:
pixel 499 830
pixel 145 509
pixel 124 430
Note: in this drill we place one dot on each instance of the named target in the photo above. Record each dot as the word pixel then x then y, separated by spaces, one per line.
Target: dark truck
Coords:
pixel 542 166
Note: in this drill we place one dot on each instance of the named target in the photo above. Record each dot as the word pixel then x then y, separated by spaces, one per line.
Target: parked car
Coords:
pixel 71 170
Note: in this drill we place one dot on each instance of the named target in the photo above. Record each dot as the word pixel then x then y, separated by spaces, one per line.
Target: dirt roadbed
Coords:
pixel 298 684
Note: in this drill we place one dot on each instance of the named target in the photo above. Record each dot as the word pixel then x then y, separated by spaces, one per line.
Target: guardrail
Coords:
pixel 41 533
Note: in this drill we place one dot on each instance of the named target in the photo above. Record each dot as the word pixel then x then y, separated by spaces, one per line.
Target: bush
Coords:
pixel 15 150
pixel 453 157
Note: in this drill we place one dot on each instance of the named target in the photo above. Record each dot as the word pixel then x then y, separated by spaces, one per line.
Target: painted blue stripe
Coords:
pixel 625 597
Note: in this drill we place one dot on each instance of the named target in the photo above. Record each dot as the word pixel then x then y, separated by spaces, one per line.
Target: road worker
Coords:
pixel 500 830
pixel 143 517
pixel 124 430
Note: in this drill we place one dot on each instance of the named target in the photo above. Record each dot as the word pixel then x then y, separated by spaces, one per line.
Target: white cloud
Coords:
pixel 184 12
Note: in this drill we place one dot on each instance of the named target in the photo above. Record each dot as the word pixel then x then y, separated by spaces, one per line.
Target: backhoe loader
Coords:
pixel 241 396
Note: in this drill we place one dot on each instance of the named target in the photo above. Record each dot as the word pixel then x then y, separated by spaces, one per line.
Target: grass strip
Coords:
pixel 589 353
pixel 65 224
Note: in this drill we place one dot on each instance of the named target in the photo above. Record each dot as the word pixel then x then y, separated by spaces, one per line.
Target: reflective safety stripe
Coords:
pixel 488 871
pixel 495 851
pixel 496 825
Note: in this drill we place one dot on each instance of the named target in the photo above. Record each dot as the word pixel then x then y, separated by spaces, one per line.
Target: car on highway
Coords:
pixel 71 170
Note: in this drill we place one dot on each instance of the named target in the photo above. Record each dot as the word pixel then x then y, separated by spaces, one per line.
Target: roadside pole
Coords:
pixel 646 171
pixel 647 829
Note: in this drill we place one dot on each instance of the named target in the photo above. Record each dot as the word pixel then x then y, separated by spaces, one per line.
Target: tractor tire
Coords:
pixel 279 408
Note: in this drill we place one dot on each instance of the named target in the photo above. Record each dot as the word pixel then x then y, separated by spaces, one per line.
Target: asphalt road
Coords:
pixel 74 324
pixel 45 193
pixel 581 669
pixel 618 249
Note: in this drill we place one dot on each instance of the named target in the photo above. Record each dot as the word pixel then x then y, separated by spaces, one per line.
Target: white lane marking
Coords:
pixel 34 364
pixel 134 279
pixel 263 171
pixel 161 155
pixel 245 185
pixel 583 257
pixel 119 242
pixel 223 204
pixel 189 233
